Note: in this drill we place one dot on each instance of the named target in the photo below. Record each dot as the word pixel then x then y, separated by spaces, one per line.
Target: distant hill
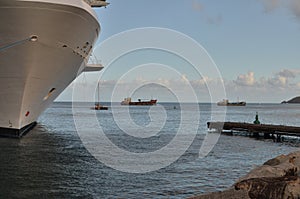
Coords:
pixel 295 100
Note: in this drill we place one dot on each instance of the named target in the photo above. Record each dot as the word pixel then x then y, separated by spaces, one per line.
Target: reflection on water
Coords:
pixel 52 162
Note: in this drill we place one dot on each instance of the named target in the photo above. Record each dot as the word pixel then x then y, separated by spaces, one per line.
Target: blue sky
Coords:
pixel 254 43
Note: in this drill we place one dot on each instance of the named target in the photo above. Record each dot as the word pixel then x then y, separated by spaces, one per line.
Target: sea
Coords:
pixel 52 160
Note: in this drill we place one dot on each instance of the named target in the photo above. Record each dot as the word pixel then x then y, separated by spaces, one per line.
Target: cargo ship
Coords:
pixel 226 102
pixel 127 101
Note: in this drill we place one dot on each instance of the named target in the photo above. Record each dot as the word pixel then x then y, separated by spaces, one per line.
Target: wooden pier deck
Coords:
pixel 267 130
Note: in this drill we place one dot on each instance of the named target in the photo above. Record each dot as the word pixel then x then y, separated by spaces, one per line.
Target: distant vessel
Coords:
pixel 44 46
pixel 226 102
pixel 127 101
pixel 98 106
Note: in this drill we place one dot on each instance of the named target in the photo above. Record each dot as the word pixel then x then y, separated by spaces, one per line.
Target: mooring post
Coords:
pixel 267 136
pixel 278 138
pixel 256 121
pixel 256 135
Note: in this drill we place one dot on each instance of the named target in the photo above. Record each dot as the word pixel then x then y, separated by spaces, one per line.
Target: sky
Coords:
pixel 254 44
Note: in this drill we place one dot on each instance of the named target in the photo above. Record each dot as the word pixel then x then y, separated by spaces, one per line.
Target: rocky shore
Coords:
pixel 278 178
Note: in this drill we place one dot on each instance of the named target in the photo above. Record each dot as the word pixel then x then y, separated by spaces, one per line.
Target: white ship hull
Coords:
pixel 43 47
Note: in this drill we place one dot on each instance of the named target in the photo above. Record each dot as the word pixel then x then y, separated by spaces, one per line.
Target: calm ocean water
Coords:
pixel 51 161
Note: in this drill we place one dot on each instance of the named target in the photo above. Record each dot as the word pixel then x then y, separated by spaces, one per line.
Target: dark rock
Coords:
pixel 266 188
pixel 227 194
pixel 277 178
pixel 275 161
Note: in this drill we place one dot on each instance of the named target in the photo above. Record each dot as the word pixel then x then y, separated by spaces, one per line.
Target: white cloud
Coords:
pixel 278 81
pixel 213 20
pixel 283 78
pixel 184 79
pixel 197 6
pixel 246 80
pixel 288 73
pixel 270 5
pixel 295 7
pixel 292 5
pixel 202 82
pixel 273 88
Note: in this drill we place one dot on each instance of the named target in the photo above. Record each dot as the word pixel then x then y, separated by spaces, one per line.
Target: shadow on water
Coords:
pixel 43 163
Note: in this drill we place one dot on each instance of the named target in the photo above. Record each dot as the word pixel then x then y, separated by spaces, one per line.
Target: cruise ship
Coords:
pixel 44 46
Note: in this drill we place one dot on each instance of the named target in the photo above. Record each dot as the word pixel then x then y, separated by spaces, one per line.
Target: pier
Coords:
pixel 268 131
